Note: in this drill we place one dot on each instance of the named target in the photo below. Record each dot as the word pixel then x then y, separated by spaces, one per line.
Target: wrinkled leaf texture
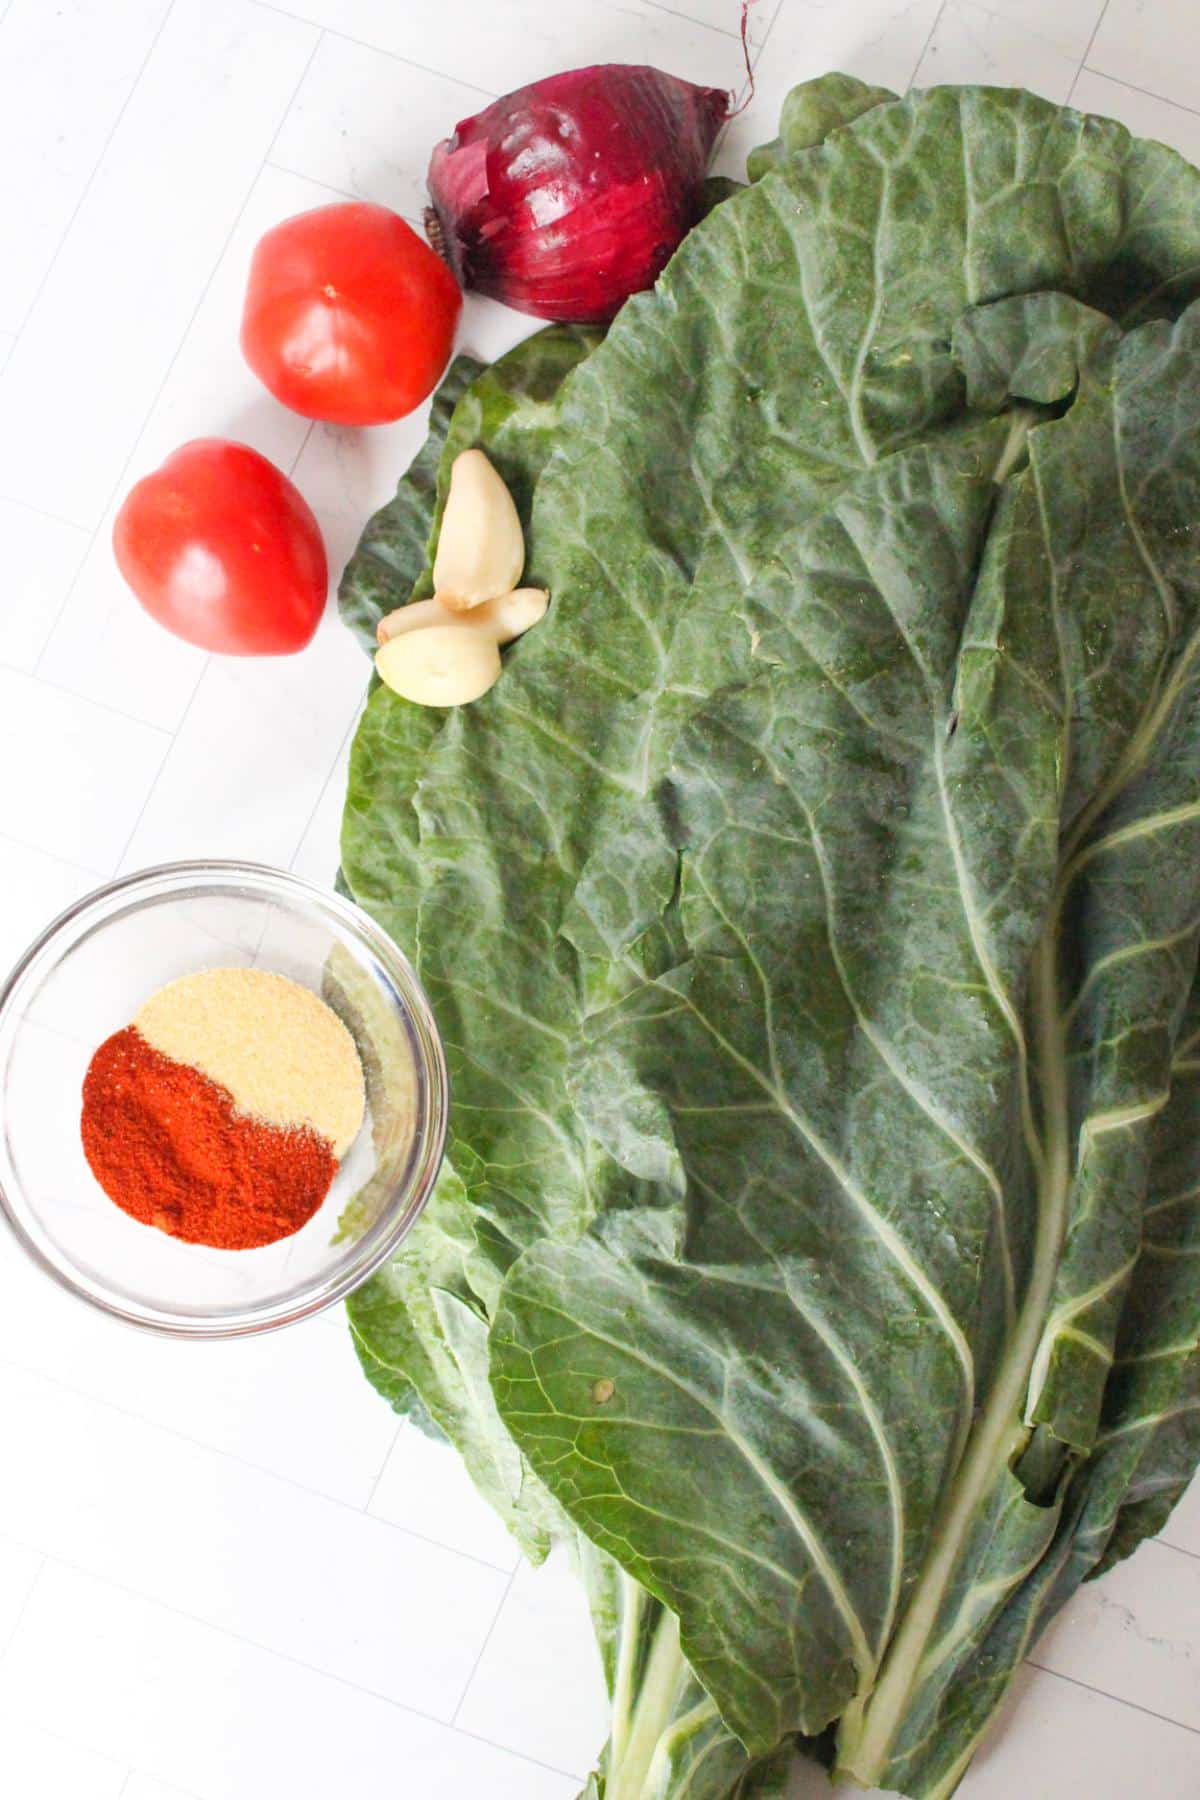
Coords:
pixel 811 916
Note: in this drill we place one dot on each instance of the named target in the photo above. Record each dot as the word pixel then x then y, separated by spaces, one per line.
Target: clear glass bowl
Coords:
pixel 86 976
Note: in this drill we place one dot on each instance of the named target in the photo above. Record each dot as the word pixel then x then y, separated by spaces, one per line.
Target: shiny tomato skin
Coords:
pixel 223 550
pixel 348 316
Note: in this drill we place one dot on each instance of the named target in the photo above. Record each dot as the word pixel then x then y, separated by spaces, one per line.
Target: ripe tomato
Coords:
pixel 221 549
pixel 348 317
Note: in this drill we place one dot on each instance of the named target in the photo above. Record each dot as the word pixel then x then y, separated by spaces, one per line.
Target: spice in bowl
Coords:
pixel 221 1113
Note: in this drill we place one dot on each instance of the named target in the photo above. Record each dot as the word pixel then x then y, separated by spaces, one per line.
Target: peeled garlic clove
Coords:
pixel 511 615
pixel 414 617
pixel 503 619
pixel 481 547
pixel 442 665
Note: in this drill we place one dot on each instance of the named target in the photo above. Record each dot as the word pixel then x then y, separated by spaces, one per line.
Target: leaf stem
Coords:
pixel 633 1599
pixel 651 1714
pixel 870 1726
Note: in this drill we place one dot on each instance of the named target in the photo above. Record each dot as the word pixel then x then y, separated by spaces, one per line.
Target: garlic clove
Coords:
pixel 413 617
pixel 442 665
pixel 504 619
pixel 481 547
pixel 511 615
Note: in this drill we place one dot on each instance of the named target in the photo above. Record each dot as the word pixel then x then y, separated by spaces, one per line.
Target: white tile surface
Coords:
pixel 1057 1739
pixel 425 1488
pixel 226 1544
pixel 725 15
pixel 185 151
pixel 1150 44
pixel 1182 1529
pixel 294 1403
pixel 19 1566
pixel 319 856
pixel 183 1527
pixel 502 47
pixel 148 1787
pixel 66 74
pixel 85 772
pixel 103 645
pixel 41 559
pixel 1144 114
pixel 1134 1634
pixel 141 1676
pixel 36 1765
pixel 341 128
pixel 35 889
pixel 271 718
pixel 1068 25
pixel 542 1644
pixel 983 44
pixel 877 40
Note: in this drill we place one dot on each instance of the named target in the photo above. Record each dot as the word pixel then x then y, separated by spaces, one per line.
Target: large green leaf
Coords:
pixel 810 912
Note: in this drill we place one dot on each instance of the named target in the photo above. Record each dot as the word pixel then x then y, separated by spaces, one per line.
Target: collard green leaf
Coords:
pixel 811 915
pixel 810 112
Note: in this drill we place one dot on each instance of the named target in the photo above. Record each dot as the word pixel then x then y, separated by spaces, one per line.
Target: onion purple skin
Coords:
pixel 567 196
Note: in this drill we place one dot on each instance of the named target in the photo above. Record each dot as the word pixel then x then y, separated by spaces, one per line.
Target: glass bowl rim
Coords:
pixel 161 881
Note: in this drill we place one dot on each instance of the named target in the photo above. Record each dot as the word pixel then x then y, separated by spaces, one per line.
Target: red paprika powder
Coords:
pixel 169 1147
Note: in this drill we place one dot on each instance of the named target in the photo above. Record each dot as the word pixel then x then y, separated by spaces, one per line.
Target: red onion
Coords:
pixel 569 195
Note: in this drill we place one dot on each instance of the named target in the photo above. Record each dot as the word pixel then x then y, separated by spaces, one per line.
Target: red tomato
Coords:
pixel 349 317
pixel 221 549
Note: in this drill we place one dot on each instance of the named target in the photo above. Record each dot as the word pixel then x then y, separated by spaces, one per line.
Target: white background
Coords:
pixel 225 1573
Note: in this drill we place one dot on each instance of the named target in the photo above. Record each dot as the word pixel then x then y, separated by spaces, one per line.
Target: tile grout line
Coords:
pixel 43 512
pixel 11 1639
pixel 1087 52
pixel 988 10
pixel 347 736
pixel 377 49
pixel 286 1656
pixel 1086 68
pixel 677 12
pixel 104 706
pixel 97 165
pixel 1117 1699
pixel 488 1635
pixel 161 388
pixel 312 425
pixel 299 175
pixel 172 740
pixel 370 1499
pixel 295 95
pixel 240 1461
pixel 924 50
pixel 417 224
pixel 775 18
pixel 64 862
